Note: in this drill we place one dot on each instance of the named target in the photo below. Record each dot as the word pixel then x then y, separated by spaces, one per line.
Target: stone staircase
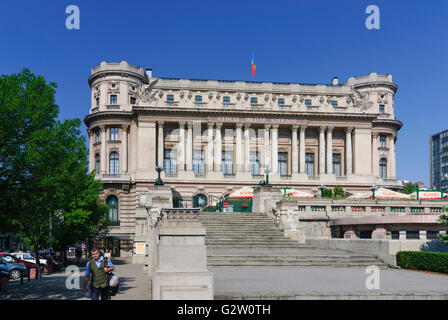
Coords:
pixel 251 239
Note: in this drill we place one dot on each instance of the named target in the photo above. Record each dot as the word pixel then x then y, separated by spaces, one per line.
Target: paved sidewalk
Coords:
pixel 134 285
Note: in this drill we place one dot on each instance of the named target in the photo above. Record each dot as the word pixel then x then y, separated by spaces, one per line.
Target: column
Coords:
pixel 210 146
pixel 91 151
pixel 246 147
pixel 189 150
pixel 181 146
pixel 322 150
pixel 218 147
pixel 348 150
pixel 295 151
pixel 160 143
pixel 330 150
pixel 375 158
pixel 239 148
pixel 302 149
pixel 124 151
pixel 274 136
pixel 393 173
pixel 103 150
pixel 267 155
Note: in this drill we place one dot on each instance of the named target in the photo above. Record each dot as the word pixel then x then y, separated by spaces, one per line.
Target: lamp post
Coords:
pixel 267 171
pixel 373 189
pixel 322 188
pixel 159 181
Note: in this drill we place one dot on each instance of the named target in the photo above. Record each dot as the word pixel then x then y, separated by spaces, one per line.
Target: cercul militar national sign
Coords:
pixel 256 120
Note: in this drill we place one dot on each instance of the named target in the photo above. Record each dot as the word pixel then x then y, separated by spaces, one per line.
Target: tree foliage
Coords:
pixel 410 187
pixel 443 219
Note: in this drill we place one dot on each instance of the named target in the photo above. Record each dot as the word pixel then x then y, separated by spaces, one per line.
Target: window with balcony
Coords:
pixel 383 141
pixel 198 162
pixel 113 134
pixel 113 99
pixel 113 163
pixel 337 165
pixel 283 163
pixel 227 162
pixel 309 164
pixel 112 209
pixel 383 168
pixel 254 163
pixel 170 161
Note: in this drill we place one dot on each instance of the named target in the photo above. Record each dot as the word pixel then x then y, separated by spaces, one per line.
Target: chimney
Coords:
pixel 149 73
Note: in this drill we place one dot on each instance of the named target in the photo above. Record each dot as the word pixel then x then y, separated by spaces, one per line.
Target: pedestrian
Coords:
pixel 78 254
pixel 97 270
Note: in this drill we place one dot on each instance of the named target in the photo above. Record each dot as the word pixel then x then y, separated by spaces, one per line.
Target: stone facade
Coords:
pixel 213 137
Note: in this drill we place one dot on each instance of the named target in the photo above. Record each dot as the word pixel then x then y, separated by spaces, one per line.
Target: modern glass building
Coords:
pixel 438 158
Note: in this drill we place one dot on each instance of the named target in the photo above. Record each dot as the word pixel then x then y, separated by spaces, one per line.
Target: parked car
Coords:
pixel 12 259
pixel 14 270
pixel 28 257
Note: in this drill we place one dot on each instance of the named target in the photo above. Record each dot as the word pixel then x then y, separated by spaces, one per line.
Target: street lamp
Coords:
pixel 373 189
pixel 159 181
pixel 322 188
pixel 267 171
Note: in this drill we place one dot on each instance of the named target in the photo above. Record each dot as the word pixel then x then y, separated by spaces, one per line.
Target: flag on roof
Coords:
pixel 253 64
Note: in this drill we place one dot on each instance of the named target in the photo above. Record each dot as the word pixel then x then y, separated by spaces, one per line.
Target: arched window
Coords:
pixel 199 201
pixel 383 168
pixel 113 163
pixel 97 163
pixel 112 211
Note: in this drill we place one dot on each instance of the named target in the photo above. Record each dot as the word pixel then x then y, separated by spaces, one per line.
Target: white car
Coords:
pixel 29 257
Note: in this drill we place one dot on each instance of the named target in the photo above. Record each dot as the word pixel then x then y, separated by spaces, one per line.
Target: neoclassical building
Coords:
pixel 214 136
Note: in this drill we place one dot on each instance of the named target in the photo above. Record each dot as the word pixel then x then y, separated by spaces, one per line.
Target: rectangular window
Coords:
pixel 334 103
pixel 133 100
pixel 254 163
pixel 308 102
pixel 431 235
pixel 309 164
pixel 412 235
pixel 113 133
pixel 382 141
pixel 227 162
pixel 170 161
pixel 198 162
pixel 337 165
pixel 283 163
pixel 198 101
pixel 170 99
pixel 226 101
pixel 253 100
pixel 281 101
pixel 113 99
pixel 97 102
pixel 395 235
pixel 97 135
pixel 381 108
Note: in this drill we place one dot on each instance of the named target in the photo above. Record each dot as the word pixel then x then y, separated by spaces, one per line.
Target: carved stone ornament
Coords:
pixel 266 98
pixel 160 94
pixel 218 96
pixel 246 97
pixel 349 100
pixel 294 99
pixel 182 94
pixel 302 98
pixel 321 99
pixel 190 95
pixel 210 96
pixel 361 100
pixel 238 97
pixel 144 200
pixel 146 94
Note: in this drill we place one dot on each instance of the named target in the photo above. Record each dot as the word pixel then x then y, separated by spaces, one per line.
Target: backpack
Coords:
pixel 114 281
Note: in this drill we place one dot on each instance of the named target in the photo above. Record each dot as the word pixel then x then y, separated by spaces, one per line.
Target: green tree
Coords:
pixel 339 192
pixel 327 193
pixel 443 219
pixel 45 172
pixel 410 187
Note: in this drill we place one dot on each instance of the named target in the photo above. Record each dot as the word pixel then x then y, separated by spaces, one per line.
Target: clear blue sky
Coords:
pixel 306 41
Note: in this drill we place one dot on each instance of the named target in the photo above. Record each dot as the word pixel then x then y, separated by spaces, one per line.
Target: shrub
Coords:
pixel 327 193
pixel 339 192
pixel 426 261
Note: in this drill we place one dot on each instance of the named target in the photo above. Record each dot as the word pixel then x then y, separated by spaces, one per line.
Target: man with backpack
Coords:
pixel 98 270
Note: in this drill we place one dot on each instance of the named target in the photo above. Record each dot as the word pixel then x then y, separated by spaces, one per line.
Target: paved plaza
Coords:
pixel 254 283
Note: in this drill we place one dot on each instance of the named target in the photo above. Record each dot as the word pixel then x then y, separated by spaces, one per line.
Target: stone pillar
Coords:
pixel 422 235
pixel 210 147
pixel 379 233
pixel 322 150
pixel 160 143
pixel 91 150
pixel 375 158
pixel 189 151
pixel 124 151
pixel 392 159
pixel 350 233
pixel 218 147
pixel 239 147
pixel 274 137
pixel 267 154
pixel 402 235
pixel 302 149
pixel 295 151
pixel 330 150
pixel 348 151
pixel 246 147
pixel 181 150
pixel 103 150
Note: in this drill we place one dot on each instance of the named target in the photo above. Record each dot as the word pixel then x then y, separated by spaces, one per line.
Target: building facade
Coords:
pixel 213 137
pixel 438 160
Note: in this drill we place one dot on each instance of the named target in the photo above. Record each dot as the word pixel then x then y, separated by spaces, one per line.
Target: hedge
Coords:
pixel 421 260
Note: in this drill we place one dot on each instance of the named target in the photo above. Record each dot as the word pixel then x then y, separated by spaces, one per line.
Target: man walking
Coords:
pixel 98 270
